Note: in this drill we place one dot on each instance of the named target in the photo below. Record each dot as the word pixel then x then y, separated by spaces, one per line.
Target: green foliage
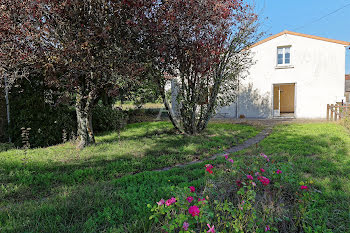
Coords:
pixel 237 200
pixel 31 109
pixel 143 115
pixel 106 118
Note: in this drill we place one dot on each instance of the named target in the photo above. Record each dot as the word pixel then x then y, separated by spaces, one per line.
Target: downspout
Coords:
pixel 7 104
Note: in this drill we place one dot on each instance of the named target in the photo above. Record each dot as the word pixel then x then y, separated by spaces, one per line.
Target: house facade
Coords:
pixel 294 75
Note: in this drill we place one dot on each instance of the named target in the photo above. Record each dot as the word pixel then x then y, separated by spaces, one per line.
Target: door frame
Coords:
pixel 279 98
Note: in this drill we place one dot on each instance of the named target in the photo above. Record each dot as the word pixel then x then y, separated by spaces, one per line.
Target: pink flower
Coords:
pixel 253 183
pixel 231 160
pixel 267 228
pixel 200 200
pixel 185 226
pixel 265 181
pixel 238 183
pixel 194 210
pixel 226 156
pixel 265 156
pixel 249 177
pixel 278 171
pixel 208 168
pixel 262 169
pixel 189 199
pixel 161 202
pixel 304 187
pixel 170 201
pixel 193 189
pixel 211 229
pixel 257 173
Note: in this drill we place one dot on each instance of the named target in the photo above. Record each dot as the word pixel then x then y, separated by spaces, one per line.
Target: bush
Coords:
pixel 143 115
pixel 346 122
pixel 106 118
pixel 264 196
pixel 31 109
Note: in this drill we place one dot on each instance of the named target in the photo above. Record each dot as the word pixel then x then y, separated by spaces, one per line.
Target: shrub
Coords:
pixel 106 118
pixel 143 115
pixel 263 196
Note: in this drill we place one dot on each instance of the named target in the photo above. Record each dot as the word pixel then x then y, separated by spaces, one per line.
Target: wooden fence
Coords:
pixel 337 111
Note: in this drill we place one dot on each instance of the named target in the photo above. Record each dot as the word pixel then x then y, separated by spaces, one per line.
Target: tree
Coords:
pixel 16 31
pixel 204 45
pixel 89 47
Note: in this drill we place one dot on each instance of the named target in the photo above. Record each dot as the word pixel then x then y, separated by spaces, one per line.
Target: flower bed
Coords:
pixel 263 196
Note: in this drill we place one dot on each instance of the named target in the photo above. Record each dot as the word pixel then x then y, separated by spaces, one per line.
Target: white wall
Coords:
pixel 318 73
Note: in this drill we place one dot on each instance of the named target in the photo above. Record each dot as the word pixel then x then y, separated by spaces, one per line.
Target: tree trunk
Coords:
pixel 84 119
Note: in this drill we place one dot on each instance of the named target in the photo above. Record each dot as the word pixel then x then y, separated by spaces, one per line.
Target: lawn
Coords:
pixel 60 189
pixel 320 153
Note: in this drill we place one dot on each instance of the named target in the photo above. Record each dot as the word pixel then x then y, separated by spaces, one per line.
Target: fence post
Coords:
pixel 327 112
pixel 332 112
pixel 336 112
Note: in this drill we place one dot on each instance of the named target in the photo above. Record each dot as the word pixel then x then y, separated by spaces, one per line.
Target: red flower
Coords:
pixel 304 187
pixel 193 189
pixel 208 168
pixel 265 181
pixel 239 183
pixel 194 210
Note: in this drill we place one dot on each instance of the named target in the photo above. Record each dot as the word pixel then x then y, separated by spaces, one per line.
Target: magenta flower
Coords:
pixel 304 187
pixel 238 183
pixel 170 201
pixel 226 156
pixel 208 168
pixel 185 226
pixel 249 177
pixel 262 170
pixel 265 181
pixel 194 210
pixel 267 228
pixel 161 202
pixel 265 156
pixel 189 199
pixel 231 160
pixel 211 229
pixel 193 189
pixel 278 171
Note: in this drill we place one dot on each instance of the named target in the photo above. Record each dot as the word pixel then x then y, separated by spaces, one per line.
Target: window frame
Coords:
pixel 284 56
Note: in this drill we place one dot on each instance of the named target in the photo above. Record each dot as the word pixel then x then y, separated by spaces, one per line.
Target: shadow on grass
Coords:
pixel 32 179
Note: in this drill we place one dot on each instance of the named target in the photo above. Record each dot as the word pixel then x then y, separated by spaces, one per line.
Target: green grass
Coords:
pixel 60 189
pixel 321 153
pixel 130 105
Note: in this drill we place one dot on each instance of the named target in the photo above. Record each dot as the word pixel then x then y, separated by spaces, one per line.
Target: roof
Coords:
pixel 345 43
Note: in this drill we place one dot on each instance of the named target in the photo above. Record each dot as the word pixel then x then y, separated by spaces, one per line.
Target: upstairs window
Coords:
pixel 283 55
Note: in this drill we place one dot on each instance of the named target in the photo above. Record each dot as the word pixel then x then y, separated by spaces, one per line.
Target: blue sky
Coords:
pixel 299 16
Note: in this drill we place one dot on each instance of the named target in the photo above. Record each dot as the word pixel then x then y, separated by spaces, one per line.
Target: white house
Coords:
pixel 294 75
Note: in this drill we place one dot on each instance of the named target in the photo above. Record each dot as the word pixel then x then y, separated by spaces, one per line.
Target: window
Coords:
pixel 283 55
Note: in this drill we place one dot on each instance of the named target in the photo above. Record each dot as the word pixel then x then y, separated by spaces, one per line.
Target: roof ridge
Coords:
pixel 345 43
